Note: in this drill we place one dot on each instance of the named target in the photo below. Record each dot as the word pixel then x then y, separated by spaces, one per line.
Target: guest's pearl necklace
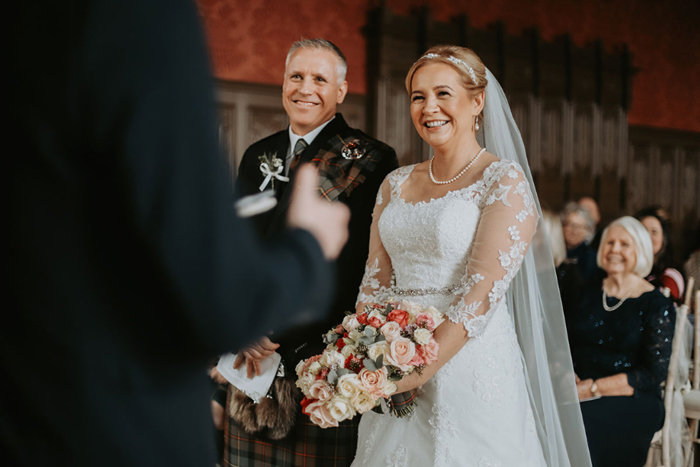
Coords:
pixel 614 307
pixel 437 182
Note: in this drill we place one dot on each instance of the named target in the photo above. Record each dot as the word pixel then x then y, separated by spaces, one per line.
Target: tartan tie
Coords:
pixel 296 155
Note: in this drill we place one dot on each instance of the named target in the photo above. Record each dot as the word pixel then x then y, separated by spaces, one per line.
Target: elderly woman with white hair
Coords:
pixel 621 338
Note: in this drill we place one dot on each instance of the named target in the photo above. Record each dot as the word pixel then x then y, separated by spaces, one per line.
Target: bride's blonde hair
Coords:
pixel 465 62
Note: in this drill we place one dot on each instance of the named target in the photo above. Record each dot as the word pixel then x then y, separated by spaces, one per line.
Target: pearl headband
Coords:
pixel 456 61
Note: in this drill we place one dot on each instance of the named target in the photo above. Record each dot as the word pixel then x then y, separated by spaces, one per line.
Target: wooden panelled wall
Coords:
pixel 569 102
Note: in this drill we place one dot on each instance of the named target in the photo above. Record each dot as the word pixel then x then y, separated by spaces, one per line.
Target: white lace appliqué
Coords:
pixel 371 283
pixel 398 458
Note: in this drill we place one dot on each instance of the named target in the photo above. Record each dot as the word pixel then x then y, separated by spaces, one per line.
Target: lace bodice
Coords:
pixel 471 240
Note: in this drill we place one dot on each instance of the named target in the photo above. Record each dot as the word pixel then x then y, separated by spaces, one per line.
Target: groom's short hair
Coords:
pixel 321 44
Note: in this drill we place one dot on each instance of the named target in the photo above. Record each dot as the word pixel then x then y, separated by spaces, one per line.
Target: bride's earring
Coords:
pixel 476 123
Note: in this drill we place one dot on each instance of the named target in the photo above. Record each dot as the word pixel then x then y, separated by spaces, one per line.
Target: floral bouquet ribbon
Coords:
pixel 363 357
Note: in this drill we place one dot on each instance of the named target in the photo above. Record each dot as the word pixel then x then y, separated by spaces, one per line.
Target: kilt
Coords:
pixel 307 445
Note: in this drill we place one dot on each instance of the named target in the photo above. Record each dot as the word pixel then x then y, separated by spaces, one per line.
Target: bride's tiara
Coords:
pixel 456 61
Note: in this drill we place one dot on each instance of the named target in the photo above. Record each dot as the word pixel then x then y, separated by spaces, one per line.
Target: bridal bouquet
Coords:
pixel 363 357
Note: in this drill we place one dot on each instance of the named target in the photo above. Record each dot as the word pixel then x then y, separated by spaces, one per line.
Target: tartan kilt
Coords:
pixel 306 445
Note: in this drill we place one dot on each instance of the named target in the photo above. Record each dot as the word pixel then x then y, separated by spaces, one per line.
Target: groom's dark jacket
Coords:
pixel 353 182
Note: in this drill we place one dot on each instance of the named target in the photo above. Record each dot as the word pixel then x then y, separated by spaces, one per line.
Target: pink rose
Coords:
pixel 399 316
pixel 401 353
pixel 391 331
pixel 424 320
pixel 321 390
pixel 429 351
pixel 373 381
pixel 417 360
pixel 320 415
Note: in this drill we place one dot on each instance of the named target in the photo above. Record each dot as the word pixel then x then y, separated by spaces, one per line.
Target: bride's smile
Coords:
pixel 442 110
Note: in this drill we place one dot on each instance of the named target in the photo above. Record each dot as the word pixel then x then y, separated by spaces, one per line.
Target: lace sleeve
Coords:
pixel 377 279
pixel 506 227
pixel 657 341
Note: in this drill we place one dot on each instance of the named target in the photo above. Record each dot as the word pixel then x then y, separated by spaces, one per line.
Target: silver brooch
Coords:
pixel 353 150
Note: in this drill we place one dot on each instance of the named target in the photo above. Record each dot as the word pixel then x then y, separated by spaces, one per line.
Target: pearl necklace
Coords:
pixel 437 182
pixel 614 307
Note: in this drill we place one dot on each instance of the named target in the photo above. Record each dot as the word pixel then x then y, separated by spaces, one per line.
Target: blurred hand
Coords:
pixel 583 386
pixel 254 354
pixel 217 413
pixel 216 376
pixel 328 222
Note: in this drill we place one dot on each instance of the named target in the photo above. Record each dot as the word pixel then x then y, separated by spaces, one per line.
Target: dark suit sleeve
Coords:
pixel 155 117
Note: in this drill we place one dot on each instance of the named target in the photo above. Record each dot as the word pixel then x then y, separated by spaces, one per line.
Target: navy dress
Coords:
pixel 634 339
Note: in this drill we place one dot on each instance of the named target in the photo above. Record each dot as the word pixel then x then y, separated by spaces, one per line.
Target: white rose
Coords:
pixel 347 351
pixel 300 367
pixel 350 323
pixel 314 368
pixel 389 388
pixel 304 383
pixel 348 386
pixel 435 314
pixel 412 308
pixel 363 402
pixel 391 330
pixel 355 335
pixel 340 408
pixel 331 357
pixel 377 349
pixel 422 336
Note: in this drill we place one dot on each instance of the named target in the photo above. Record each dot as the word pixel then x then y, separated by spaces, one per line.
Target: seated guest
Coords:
pixel 620 337
pixel 579 227
pixel 590 205
pixel 663 273
pixel 569 275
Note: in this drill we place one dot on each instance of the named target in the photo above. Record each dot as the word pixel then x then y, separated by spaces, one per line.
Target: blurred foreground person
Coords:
pixel 621 337
pixel 127 268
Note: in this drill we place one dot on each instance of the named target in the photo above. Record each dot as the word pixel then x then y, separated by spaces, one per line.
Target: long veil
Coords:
pixel 536 309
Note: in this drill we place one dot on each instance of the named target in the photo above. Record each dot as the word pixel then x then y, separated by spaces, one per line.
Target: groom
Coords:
pixel 352 167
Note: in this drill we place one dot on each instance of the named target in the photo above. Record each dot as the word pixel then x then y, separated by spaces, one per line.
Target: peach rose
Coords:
pixel 373 381
pixel 391 331
pixel 429 352
pixel 321 415
pixel 435 314
pixel 401 353
pixel 340 408
pixel 321 390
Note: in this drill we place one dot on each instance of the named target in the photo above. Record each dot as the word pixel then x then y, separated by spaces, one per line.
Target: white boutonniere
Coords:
pixel 271 167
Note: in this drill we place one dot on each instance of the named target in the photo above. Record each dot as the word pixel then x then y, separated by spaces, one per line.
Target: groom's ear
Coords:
pixel 342 91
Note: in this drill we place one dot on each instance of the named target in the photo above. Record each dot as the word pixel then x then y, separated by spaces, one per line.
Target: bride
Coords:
pixel 459 232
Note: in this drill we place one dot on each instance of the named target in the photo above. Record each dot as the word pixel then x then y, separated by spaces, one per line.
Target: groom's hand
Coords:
pixel 254 354
pixel 328 222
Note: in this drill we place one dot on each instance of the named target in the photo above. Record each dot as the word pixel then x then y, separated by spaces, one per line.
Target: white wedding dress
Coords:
pixel 475 411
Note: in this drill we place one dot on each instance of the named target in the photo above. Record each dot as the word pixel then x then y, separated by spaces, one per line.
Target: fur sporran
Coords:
pixel 273 417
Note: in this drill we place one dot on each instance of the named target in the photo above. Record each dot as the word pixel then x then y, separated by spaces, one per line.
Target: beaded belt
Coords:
pixel 449 290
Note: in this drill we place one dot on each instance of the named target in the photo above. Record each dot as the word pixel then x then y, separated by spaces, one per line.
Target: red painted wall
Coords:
pixel 249 39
